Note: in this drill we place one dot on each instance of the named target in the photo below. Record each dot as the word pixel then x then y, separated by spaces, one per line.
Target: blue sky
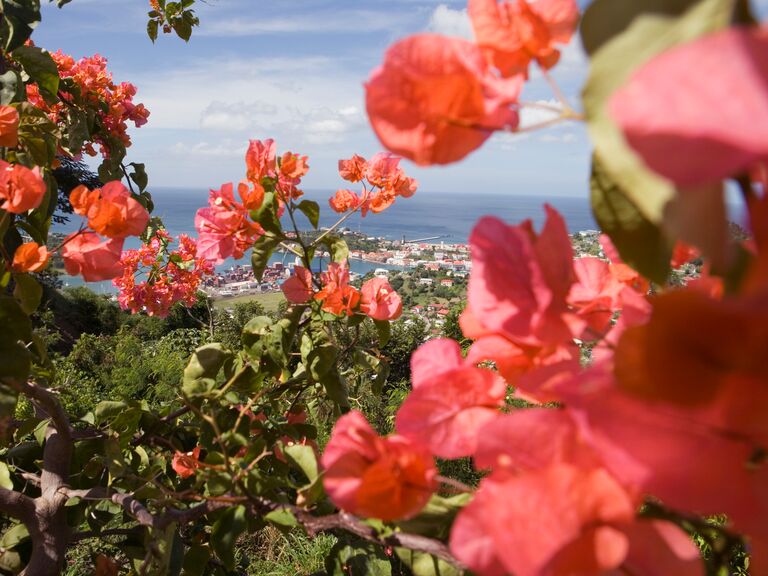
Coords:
pixel 294 70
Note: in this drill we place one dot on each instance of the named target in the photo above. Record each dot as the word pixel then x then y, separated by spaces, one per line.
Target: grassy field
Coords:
pixel 270 300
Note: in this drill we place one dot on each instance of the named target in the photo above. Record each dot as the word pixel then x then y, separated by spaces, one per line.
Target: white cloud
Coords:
pixel 204 150
pixel 564 138
pixel 449 22
pixel 358 21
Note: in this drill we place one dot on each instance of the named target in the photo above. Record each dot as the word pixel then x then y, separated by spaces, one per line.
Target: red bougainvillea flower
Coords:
pixel 21 189
pixel 520 280
pixel 224 228
pixel 388 478
pixel 260 160
pixel 111 211
pixel 379 300
pixel 353 170
pixel 450 402
pixel 514 32
pixel 30 257
pixel 337 295
pixel 298 288
pixel 185 463
pixel 344 200
pixel 9 126
pixel 434 100
pixel 86 255
pixel 690 130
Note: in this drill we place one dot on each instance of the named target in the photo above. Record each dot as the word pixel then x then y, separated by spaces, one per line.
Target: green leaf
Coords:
pixel 640 242
pixel 266 214
pixel 337 247
pixel 384 330
pixel 281 518
pixel 139 175
pixel 225 533
pixel 648 34
pixel 311 210
pixel 304 458
pixel 358 557
pixel 15 358
pixel 12 537
pixel 261 252
pixel 5 477
pixel 20 18
pixel 196 560
pixel 423 564
pixel 205 364
pixel 108 409
pixel 152 27
pixel 183 28
pixel 28 292
pixel 41 68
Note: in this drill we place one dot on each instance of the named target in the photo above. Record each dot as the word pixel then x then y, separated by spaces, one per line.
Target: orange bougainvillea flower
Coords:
pixel 86 255
pixel 344 200
pixel 694 347
pixel 434 100
pixel 337 295
pixel 298 288
pixel 514 32
pixel 260 160
pixel 30 257
pixel 293 166
pixel 185 463
pixel 111 211
pixel 388 478
pixel 353 170
pixel 9 126
pixel 21 189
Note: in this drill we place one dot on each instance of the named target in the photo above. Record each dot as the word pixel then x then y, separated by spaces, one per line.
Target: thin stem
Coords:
pixel 460 486
pixel 555 89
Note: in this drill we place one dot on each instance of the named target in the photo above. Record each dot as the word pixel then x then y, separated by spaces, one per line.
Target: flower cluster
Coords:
pixel 565 484
pixel 385 179
pixel 435 99
pixel 376 299
pixel 112 212
pixel 224 228
pixel 95 89
pixel 169 276
pixel 264 168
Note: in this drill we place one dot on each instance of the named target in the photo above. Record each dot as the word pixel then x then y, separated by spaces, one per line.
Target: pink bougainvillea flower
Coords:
pixel 9 126
pixel 622 272
pixel 30 257
pixel 21 189
pixel 185 463
pixel 344 200
pixel 379 300
pixel 86 255
pixel 224 228
pixel 338 296
pixel 690 130
pixel 260 160
pixel 298 288
pixel 691 457
pixel 434 100
pixel 520 280
pixel 530 520
pixel 596 294
pixel 514 32
pixel 450 402
pixel 353 170
pixel 111 211
pixel 388 478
